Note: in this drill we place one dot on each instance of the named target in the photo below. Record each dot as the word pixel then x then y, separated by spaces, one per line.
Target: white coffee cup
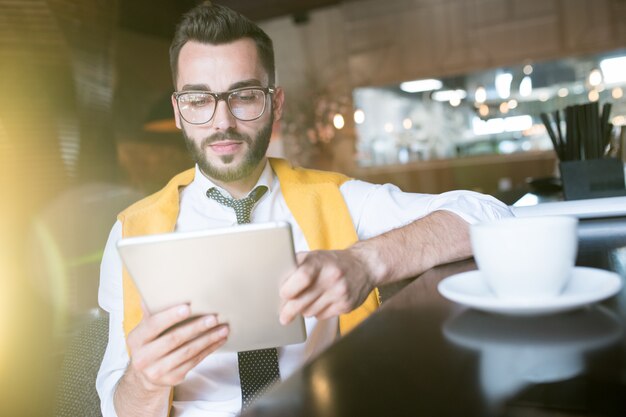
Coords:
pixel 526 259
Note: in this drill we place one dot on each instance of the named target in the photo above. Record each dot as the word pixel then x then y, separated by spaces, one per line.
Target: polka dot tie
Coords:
pixel 258 369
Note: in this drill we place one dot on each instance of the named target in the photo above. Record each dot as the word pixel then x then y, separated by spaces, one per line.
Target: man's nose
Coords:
pixel 223 118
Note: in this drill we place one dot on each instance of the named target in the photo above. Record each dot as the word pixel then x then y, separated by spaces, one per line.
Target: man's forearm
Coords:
pixel 132 399
pixel 438 238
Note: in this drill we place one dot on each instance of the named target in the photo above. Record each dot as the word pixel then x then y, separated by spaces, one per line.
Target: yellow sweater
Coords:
pixel 313 197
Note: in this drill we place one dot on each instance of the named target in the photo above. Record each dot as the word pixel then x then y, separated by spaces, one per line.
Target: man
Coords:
pixel 225 103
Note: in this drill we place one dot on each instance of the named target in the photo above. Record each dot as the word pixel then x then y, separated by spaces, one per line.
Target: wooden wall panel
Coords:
pixel 395 41
pixel 373 51
pixel 587 25
pixel 379 43
pixel 517 41
pixel 618 13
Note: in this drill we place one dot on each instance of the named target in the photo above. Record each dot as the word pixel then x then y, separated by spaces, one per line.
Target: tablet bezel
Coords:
pixel 252 259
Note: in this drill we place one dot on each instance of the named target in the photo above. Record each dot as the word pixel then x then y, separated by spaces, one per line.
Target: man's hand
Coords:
pixel 161 357
pixel 326 284
pixel 329 283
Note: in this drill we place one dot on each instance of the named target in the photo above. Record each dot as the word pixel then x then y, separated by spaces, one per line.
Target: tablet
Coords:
pixel 234 272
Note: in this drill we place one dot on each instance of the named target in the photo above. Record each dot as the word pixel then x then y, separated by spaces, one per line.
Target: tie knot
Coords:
pixel 243 207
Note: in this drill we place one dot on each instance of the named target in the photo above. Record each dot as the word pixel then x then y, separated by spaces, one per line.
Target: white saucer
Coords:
pixel 587 285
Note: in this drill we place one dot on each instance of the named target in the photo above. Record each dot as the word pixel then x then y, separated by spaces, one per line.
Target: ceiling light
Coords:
pixel 619 121
pixel 483 110
pixel 503 84
pixel 500 125
pixel 528 69
pixel 359 116
pixel 613 69
pixel 407 123
pixel 480 96
pixel 512 103
pixel 617 93
pixel 563 92
pixel 526 87
pixel 338 121
pixel 447 95
pixel 417 86
pixel 595 77
pixel 593 95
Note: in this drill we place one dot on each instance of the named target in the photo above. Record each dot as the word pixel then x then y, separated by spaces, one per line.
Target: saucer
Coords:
pixel 587 285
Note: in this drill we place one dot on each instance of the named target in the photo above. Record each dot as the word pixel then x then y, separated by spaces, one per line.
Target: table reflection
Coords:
pixel 518 351
pixel 423 355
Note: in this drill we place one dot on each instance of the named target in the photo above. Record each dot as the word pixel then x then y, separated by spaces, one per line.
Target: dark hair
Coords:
pixel 215 24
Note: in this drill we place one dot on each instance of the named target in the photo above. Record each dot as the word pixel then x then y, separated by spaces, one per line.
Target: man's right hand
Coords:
pixel 161 356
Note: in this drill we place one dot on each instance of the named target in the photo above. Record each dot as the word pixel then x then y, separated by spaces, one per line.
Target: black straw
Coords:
pixel 587 131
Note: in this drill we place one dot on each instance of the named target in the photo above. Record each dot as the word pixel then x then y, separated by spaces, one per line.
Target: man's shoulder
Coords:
pixel 305 176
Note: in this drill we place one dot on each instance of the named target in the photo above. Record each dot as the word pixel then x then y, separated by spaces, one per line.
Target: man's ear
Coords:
pixel 278 99
pixel 176 115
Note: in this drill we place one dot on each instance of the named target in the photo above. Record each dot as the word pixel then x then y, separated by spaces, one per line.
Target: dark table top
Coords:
pixel 422 355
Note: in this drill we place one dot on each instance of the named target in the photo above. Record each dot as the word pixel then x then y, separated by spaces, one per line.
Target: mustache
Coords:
pixel 228 135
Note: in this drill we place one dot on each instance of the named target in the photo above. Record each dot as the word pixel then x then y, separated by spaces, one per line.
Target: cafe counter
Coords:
pixel 485 173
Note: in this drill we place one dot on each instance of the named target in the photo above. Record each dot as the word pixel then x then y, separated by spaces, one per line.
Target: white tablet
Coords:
pixel 234 272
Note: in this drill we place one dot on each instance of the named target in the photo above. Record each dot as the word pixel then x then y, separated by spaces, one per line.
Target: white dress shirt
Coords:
pixel 212 387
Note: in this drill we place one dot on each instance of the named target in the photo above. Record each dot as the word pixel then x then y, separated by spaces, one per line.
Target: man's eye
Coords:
pixel 248 96
pixel 197 100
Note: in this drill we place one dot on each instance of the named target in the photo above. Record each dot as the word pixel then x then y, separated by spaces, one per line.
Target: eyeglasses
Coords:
pixel 245 104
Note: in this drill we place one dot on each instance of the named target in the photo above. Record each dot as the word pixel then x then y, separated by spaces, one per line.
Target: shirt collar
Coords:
pixel 203 183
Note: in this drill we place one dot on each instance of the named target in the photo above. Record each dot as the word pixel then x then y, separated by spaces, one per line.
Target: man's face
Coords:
pixel 226 149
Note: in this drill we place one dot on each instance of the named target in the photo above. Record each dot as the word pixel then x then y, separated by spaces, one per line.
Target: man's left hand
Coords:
pixel 325 284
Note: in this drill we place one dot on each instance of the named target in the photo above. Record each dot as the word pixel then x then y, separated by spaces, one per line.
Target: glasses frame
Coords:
pixel 224 97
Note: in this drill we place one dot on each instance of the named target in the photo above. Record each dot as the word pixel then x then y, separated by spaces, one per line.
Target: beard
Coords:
pixel 257 148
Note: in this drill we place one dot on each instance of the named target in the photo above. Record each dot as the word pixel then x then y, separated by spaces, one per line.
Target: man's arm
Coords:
pixel 329 283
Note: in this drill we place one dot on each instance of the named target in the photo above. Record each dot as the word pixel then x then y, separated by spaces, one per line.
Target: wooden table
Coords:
pixel 422 355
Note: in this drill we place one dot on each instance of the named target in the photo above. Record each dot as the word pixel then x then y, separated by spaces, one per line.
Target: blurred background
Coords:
pixel 431 95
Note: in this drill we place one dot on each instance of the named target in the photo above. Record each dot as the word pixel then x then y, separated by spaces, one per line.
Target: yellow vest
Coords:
pixel 313 197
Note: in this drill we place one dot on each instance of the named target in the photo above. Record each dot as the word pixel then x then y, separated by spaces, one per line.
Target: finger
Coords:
pixel 318 305
pixel 177 375
pixel 331 304
pixel 299 281
pixel 172 340
pixel 326 313
pixel 323 304
pixel 296 306
pixel 198 345
pixel 287 313
pixel 336 296
pixel 152 326
pixel 171 369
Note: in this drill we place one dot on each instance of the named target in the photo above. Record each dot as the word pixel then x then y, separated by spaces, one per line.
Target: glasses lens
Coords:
pixel 247 104
pixel 196 107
